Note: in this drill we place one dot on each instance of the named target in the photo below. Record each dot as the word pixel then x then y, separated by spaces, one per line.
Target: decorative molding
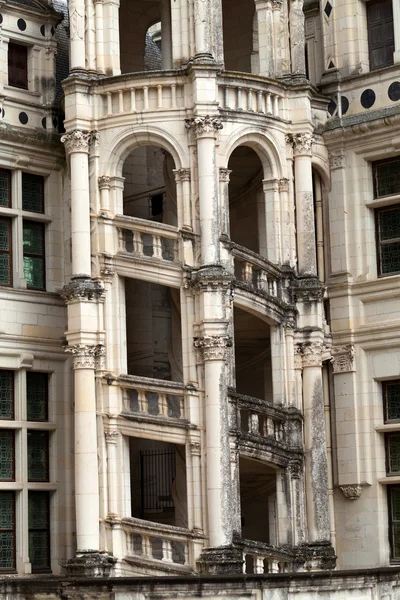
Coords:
pixel 50 52
pixel 76 141
pixel 276 4
pixel 195 448
pixel 283 185
pixel 301 142
pixel 337 161
pixel 298 357
pixel 204 125
pixel 104 182
pixel 351 492
pixel 86 356
pixel 343 359
pixel 111 436
pixel 213 347
pixel 94 142
pixel 310 354
pixel 182 174
pixel 224 175
pixel 82 287
pixel 295 470
pixel 308 289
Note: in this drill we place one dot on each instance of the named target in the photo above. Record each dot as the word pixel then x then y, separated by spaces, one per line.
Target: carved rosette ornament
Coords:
pixel 204 126
pixel 86 356
pixel 213 347
pixel 351 492
pixel 111 436
pixel 76 141
pixel 343 359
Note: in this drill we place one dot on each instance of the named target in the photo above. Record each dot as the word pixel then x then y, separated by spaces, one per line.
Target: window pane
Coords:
pixel 33 272
pixel 5 188
pixel 32 193
pixel 387 178
pixel 389 224
pixel 392 398
pixel 36 396
pixel 5 234
pixel 394 453
pixel 396 540
pixel 38 456
pixel 18 66
pixel 38 523
pixel 390 258
pixel 6 455
pixel 33 240
pixel 6 394
pixel 7 546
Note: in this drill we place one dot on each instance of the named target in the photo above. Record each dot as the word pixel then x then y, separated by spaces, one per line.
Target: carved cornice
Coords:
pixel 111 436
pixel 86 356
pixel 204 126
pixel 351 492
pixel 77 141
pixel 224 175
pixel 213 347
pixel 104 182
pixel 308 289
pixel 301 142
pixel 213 278
pixel 82 288
pixel 343 359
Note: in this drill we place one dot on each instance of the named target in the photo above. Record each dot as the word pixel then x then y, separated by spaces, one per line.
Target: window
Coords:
pixel 386 175
pixel 388 234
pixel 31 254
pixel 380 33
pixel 18 66
pixel 32 440
pixel 393 453
pixel 391 398
pixel 394 521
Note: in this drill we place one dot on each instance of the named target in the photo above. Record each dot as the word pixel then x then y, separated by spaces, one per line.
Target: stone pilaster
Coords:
pixel 297 39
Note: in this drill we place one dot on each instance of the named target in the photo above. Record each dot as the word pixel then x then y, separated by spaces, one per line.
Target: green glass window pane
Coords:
pixel 38 508
pixel 38 525
pixel 6 510
pixel 389 224
pixel 388 178
pixel 33 238
pixel 6 455
pixel 394 453
pixel 7 551
pixel 393 401
pixel 5 271
pixel 33 272
pixel 4 188
pixel 390 258
pixel 36 396
pixel 32 193
pixel 38 456
pixel 39 551
pixel 5 234
pixel 6 394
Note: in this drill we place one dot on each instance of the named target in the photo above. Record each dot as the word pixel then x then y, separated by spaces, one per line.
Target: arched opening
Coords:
pixel 149 186
pixel 247 213
pixel 239 35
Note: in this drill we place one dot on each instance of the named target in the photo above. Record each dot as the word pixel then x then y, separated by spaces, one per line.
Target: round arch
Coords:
pixel 321 166
pixel 264 146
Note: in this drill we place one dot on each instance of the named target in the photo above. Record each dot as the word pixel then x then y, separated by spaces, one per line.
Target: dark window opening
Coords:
pixel 393 453
pixel 32 193
pixel 157 474
pixel 7 531
pixel 18 66
pixel 391 399
pixel 388 240
pixel 33 249
pixel 380 33
pixel 157 205
pixel 5 252
pixel 5 188
pixel 6 394
pixel 394 522
pixel 39 531
pixel 37 396
pixel 386 175
pixel 7 455
pixel 38 455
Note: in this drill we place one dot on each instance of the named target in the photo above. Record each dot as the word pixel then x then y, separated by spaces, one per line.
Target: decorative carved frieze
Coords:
pixel 82 288
pixel 86 356
pixel 336 161
pixel 104 182
pixel 351 492
pixel 111 436
pixel 76 141
pixel 204 125
pixel 343 359
pixel 213 347
pixel 224 175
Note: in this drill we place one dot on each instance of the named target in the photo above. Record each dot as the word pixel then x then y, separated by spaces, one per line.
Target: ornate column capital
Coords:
pixel 301 142
pixel 351 492
pixel 104 182
pixel 224 175
pixel 337 161
pixel 283 185
pixel 294 469
pixel 276 4
pixel 86 356
pixel 195 448
pixel 310 354
pixel 77 141
pixel 204 126
pixel 213 347
pixel 182 174
pixel 111 436
pixel 343 359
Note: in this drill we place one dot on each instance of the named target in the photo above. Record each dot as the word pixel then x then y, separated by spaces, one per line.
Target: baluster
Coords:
pixel 133 100
pixel 146 97
pixel 274 288
pixel 239 99
pixel 147 548
pixel 254 423
pixel 258 562
pixel 262 280
pixel 162 405
pixel 282 567
pixel 260 98
pixel 182 407
pixel 270 427
pixel 244 562
pixel 159 97
pixel 269 104
pixel 186 551
pixel 276 106
pixel 137 242
pixel 247 272
pixel 166 551
pixel 274 566
pixel 226 94
pixel 121 240
pixel 175 250
pixel 109 103
pixel 250 99
pixel 120 101
pixel 157 247
pixel 173 96
pixel 142 401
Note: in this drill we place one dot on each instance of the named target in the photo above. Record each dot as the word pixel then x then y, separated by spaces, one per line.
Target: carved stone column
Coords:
pixel 265 37
pixel 297 39
pixel 99 27
pixel 77 34
pixel 205 130
pixel 182 178
pixel 202 30
pixel 112 436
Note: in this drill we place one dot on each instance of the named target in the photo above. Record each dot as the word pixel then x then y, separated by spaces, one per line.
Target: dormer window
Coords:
pixel 18 66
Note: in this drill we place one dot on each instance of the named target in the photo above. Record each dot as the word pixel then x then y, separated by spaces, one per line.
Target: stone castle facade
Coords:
pixel 199 291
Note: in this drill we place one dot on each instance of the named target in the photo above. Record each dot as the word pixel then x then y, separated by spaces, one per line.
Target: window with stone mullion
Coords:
pixel 7 531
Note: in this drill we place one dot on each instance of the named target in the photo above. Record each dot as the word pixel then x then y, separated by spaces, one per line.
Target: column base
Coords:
pixel 204 57
pixel 316 556
pixel 225 560
pixel 90 564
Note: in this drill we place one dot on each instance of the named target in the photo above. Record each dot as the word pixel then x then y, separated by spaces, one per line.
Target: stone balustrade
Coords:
pixel 251 94
pixel 157 543
pixel 256 272
pixel 260 558
pixel 257 417
pixel 152 397
pixel 136 93
pixel 145 238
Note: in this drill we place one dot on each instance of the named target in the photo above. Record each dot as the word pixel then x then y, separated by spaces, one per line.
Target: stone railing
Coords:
pixel 140 92
pixel 158 543
pixel 257 272
pixel 259 558
pixel 238 91
pixel 257 417
pixel 145 238
pixel 145 396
